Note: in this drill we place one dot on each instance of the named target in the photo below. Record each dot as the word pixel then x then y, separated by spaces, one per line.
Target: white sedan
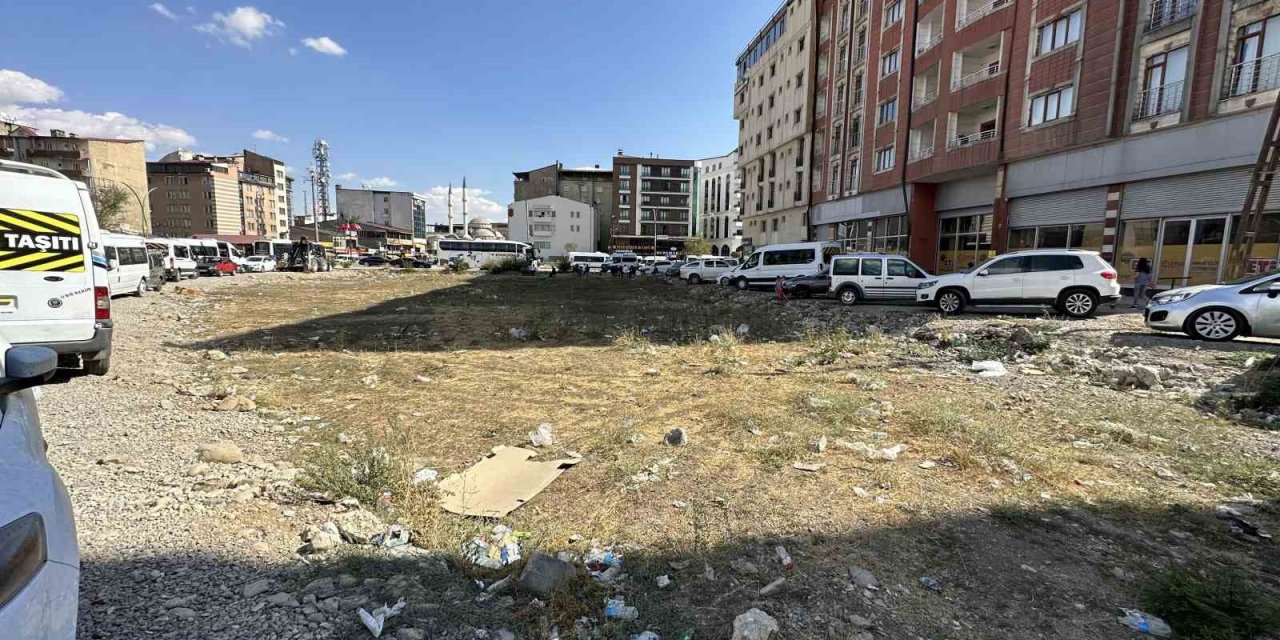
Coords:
pixel 40 582
pixel 260 264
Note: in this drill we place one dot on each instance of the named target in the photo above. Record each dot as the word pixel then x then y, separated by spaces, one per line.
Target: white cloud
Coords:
pixel 381 183
pixel 325 45
pixel 267 135
pixel 17 87
pixel 242 26
pixel 164 11
pixel 477 205
pixel 347 176
pixel 101 125
pixel 293 51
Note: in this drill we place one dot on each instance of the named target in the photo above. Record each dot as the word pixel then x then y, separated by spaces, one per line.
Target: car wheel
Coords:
pixel 694 278
pixel 950 302
pixel 849 296
pixel 142 288
pixel 741 284
pixel 1215 325
pixel 98 367
pixel 1079 304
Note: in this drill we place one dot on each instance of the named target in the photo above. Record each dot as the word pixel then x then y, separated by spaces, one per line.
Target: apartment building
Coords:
pixel 192 196
pixel 280 192
pixel 774 108
pixel 397 209
pixel 97 162
pixel 554 225
pixel 588 185
pixel 718 203
pixel 654 209
pixel 952 130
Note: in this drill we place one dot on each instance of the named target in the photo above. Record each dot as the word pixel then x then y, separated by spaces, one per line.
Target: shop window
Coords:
pixel 1137 241
pixel 964 242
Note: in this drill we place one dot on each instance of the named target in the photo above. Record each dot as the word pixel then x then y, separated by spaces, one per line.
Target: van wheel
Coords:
pixel 142 288
pixel 1078 303
pixel 950 302
pixel 694 278
pixel 849 296
pixel 741 284
pixel 98 367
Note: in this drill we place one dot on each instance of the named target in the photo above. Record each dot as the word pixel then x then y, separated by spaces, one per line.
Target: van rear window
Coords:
pixel 40 241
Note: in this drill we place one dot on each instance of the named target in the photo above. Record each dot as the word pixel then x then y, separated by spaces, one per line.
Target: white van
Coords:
pixel 786 260
pixel 178 263
pixel 594 260
pixel 53 273
pixel 127 264
pixel 870 277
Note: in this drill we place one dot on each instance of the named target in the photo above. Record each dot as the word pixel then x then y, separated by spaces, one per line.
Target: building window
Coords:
pixel 964 242
pixel 1052 106
pixel 888 111
pixel 1059 33
pixel 833 186
pixel 851 178
pixel 889 234
pixel 1074 236
pixel 1162 84
pixel 1257 59
pixel 884 159
pixel 893 13
pixel 889 63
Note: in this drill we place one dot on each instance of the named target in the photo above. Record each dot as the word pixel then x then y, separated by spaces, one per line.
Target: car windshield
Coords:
pixel 1251 278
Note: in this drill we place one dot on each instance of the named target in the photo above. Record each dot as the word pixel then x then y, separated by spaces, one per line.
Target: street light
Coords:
pixel 146 220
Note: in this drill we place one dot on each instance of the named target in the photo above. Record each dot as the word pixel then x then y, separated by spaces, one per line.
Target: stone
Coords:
pixel 283 599
pixel 320 588
pixel 358 526
pixel 543 573
pixel 677 437
pixel 819 445
pixel 773 587
pixel 223 452
pixel 744 567
pixel 257 587
pixel 861 622
pixel 410 633
pixel 214 354
pixel 199 469
pixel 168 405
pixel 1148 377
pixel 754 625
pixel 651 372
pixel 235 403
pixel 116 458
pixel 346 581
pixel 183 613
pixel 863 578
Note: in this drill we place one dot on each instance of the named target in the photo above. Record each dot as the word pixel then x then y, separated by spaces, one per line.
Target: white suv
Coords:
pixel 705 270
pixel 1074 282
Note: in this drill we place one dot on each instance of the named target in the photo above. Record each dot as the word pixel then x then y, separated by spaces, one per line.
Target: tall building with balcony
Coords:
pixel 654 208
pixel 990 125
pixel 773 105
pixel 264 166
pixel 554 225
pixel 194 195
pixel 588 185
pixel 97 162
pixel 719 203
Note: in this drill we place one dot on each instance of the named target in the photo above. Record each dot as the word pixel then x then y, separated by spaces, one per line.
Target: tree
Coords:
pixel 570 247
pixel 696 247
pixel 109 202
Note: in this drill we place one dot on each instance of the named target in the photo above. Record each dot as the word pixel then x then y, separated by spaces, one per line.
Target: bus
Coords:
pixel 481 252
pixel 275 248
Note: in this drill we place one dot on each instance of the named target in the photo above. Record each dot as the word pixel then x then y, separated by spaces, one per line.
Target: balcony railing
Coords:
pixel 857 98
pixel 981 12
pixel 1158 101
pixel 970 139
pixel 990 71
pixel 1165 12
pixel 928 43
pixel 924 97
pixel 837 110
pixel 920 154
pixel 1251 76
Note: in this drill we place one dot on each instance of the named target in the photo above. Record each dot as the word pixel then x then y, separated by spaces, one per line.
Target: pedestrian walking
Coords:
pixel 1141 282
pixel 779 289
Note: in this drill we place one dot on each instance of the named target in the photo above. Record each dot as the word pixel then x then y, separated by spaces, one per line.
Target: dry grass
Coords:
pixel 752 405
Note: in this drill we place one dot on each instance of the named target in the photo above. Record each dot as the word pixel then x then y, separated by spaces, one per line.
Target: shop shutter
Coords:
pixel 960 213
pixel 1189 195
pixel 1080 206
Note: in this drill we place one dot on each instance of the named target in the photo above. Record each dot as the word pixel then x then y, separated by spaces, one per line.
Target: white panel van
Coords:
pixel 765 264
pixel 128 269
pixel 53 273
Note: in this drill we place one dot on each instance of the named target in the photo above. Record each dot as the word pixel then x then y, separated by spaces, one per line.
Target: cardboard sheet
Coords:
pixel 500 483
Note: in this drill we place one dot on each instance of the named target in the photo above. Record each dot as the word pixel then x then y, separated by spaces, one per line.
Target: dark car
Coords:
pixel 818 284
pixel 673 271
pixel 417 263
pixel 372 261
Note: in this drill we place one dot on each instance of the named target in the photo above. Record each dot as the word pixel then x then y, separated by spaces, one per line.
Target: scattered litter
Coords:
pixel 518 334
pixel 617 609
pixel 863 578
pixel 677 437
pixel 664 581
pixel 931 584
pixel 421 378
pixel 500 483
pixel 861 493
pixel 743 330
pixel 395 536
pixel 1238 525
pixel 772 587
pixel 709 573
pixel 543 574
pixel 811 467
pixel 542 437
pixel 679 504
pixel 425 475
pixel 784 557
pixel 602 563
pixel 500 548
pixel 1143 622
pixel 927 464
pixel 744 566
pixel 988 368
pixel 647 635
pixel 374 621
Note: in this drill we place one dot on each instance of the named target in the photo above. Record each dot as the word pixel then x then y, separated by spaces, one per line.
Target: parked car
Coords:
pixel 155 270
pixel 786 260
pixel 700 271
pixel 40 582
pixel 1075 282
pixel 673 271
pixel 217 266
pixel 127 266
pixel 1249 306
pixel 178 263
pixel 815 284
pixel 657 267
pixel 259 264
pixel 53 286
pixel 873 277
pixel 372 261
pixel 593 260
pixel 619 261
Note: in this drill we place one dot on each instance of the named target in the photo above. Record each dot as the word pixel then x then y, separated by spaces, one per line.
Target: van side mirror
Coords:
pixel 113 264
pixel 26 367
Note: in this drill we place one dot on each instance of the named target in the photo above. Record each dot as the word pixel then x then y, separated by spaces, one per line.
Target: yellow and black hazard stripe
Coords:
pixel 23 223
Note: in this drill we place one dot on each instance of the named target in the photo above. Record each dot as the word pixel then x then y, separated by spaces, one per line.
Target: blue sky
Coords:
pixel 410 93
